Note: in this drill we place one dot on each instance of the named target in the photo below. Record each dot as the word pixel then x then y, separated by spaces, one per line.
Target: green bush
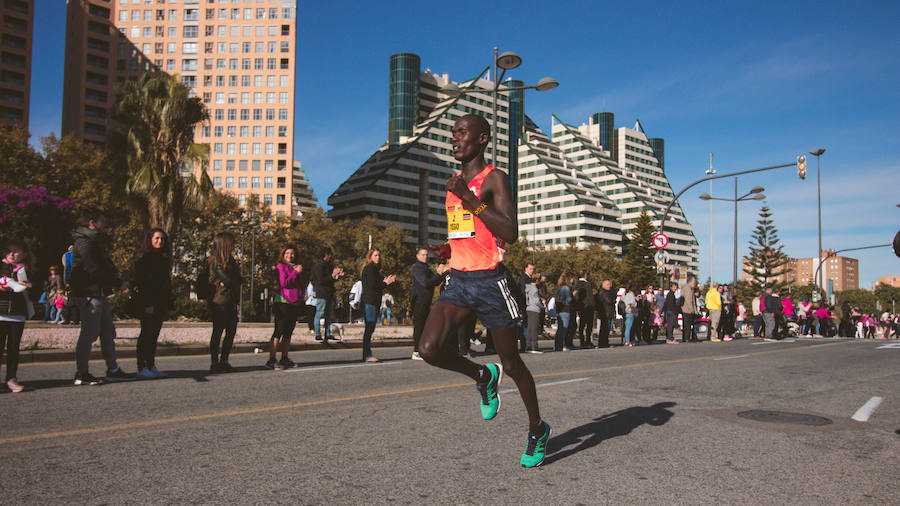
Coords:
pixel 190 308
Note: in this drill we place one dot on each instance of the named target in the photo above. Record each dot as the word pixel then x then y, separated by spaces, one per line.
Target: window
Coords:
pixel 158 48
pixel 242 199
pixel 229 148
pixel 271 63
pixel 282 148
pixel 217 148
pixel 135 32
pixel 270 148
pixel 232 98
pixel 285 30
pixel 245 114
pixel 273 30
pixel 267 199
pixel 189 81
pixel 189 48
pixel 229 182
pixel 248 31
pixel 257 131
pixel 243 148
pixel 188 64
pixel 217 164
pixel 273 13
pixel 147 32
pixel 232 114
pixel 270 97
pixel 256 148
pixel 267 182
pixel 260 14
pixel 285 81
pixel 173 31
pixel 233 63
pixel 281 182
pixel 191 14
pixel 282 114
pixel 242 182
pixel 229 165
pixel 259 47
pixel 285 47
pixel 254 181
pixel 207 48
pixel 282 131
pixel 173 15
pixel 217 131
pixel 245 81
pixel 257 114
pixel 242 165
pixel 217 181
pixel 284 97
pixel 190 32
pixel 220 81
pixel 270 166
pixel 209 30
pixel 170 64
pixel 270 131
pixel 255 163
pixel 245 64
pixel 171 48
pixel 245 97
pixel 258 63
pixel 271 81
pixel 270 114
pixel 230 131
pixel 220 63
pixel 260 31
pixel 279 200
pixel 245 131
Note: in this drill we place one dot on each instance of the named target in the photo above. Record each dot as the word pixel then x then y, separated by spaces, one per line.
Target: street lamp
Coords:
pixel 711 172
pixel 755 193
pixel 818 153
pixel 534 204
pixel 506 61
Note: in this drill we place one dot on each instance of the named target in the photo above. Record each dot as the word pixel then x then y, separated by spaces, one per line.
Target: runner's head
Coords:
pixel 471 135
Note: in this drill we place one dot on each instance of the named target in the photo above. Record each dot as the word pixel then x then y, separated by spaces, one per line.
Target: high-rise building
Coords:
pixel 238 57
pixel 303 195
pixel 623 164
pixel 590 183
pixel 15 61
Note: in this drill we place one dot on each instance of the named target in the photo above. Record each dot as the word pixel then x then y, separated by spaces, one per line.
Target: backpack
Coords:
pixel 202 286
pixel 551 306
pixel 356 294
pixel 620 307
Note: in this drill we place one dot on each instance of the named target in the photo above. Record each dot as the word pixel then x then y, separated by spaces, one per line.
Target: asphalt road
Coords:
pixel 648 425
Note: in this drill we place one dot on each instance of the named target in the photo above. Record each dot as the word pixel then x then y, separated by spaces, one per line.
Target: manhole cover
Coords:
pixel 763 415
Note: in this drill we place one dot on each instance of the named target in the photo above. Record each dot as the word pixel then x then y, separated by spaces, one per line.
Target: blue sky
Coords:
pixel 755 83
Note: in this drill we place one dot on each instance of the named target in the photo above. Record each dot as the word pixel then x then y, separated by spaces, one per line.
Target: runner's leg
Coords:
pixel 515 368
pixel 441 325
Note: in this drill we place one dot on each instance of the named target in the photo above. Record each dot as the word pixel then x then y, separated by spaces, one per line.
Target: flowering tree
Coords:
pixel 39 219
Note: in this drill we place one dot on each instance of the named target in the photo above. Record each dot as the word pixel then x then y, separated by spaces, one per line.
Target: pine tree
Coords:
pixel 767 260
pixel 639 263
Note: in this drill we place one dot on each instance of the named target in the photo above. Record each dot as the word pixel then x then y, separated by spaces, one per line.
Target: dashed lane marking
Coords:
pixel 863 413
pixel 729 358
pixel 327 367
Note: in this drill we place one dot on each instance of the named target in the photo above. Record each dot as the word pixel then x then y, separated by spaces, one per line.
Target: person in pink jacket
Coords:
pixel 287 305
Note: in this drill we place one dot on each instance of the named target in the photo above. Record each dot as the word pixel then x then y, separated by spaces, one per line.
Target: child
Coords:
pixel 59 304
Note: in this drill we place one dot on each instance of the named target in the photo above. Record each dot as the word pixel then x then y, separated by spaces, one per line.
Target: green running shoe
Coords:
pixel 490 397
pixel 536 448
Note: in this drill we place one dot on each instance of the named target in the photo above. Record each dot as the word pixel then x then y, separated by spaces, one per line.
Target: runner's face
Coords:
pixel 466 140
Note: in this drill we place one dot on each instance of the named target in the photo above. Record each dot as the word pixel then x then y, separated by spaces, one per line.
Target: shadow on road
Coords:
pixel 608 426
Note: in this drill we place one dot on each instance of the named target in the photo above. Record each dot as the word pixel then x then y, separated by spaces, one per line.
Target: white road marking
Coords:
pixel 889 346
pixel 510 390
pixel 863 413
pixel 729 358
pixel 307 369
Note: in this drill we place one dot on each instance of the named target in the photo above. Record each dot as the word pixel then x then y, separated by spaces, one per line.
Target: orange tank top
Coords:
pixel 473 247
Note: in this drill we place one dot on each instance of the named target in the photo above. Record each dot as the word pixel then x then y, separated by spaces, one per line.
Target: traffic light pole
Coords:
pixel 662 222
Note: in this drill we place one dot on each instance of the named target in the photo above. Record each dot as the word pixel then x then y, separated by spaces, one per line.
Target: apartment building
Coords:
pixel 303 195
pixel 842 271
pixel 238 57
pixel 16 33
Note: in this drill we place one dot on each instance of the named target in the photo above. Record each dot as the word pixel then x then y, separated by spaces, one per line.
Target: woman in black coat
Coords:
pixel 153 287
pixel 373 286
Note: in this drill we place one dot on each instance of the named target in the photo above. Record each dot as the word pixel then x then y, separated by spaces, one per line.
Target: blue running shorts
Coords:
pixel 488 293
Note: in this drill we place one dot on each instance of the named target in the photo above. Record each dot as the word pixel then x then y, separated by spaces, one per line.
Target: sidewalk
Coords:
pixel 56 343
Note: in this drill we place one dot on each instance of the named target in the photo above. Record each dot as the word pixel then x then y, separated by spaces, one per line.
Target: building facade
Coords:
pixel 304 198
pixel 893 281
pixel 571 186
pixel 16 34
pixel 842 271
pixel 239 58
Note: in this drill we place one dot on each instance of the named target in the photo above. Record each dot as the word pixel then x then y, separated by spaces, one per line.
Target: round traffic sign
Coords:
pixel 660 241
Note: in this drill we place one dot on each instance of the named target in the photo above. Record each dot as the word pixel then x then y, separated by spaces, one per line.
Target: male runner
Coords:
pixel 481 217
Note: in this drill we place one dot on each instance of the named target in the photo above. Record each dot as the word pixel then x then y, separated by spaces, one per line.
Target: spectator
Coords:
pixel 423 283
pixel 53 287
pixel 729 313
pixel 644 320
pixel 323 276
pixel 584 308
pixel 630 302
pixel 563 298
pixel 15 308
pixel 225 278
pixel 670 311
pixel 93 278
pixel 606 309
pixel 533 308
pixel 771 308
pixel 524 281
pixel 373 285
pixel 385 306
pixel 153 287
pixel 288 303
pixel 714 307
pixel 689 310
pixel 59 305
pixel 803 309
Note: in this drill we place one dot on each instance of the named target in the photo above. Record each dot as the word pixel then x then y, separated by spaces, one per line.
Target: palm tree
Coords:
pixel 158 118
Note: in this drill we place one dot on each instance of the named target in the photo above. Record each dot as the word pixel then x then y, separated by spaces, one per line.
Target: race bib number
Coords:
pixel 460 223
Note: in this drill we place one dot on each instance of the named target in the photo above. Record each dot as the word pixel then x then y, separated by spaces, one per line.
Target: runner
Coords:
pixel 481 217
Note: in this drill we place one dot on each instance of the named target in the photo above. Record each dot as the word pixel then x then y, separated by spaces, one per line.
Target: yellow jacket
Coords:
pixel 713 300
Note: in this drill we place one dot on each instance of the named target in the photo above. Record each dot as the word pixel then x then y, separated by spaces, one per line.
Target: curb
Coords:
pixel 68 355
